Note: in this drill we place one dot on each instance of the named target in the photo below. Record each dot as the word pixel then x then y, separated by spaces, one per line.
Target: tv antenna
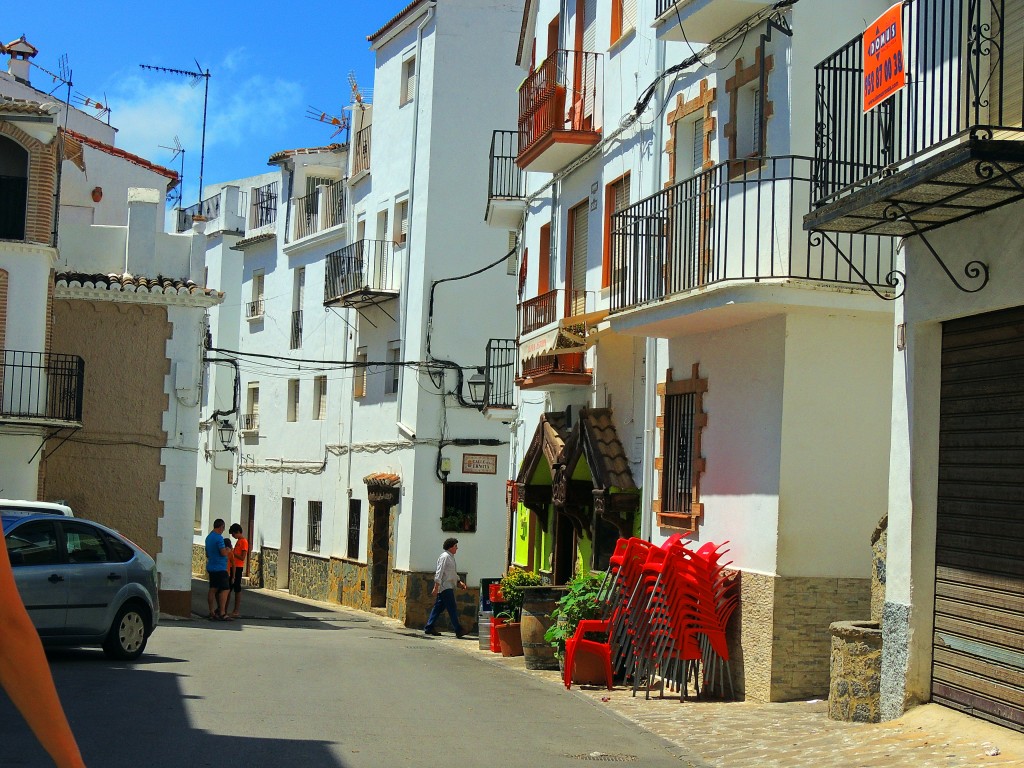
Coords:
pixel 63 78
pixel 340 123
pixel 357 95
pixel 177 151
pixel 194 79
pixel 102 107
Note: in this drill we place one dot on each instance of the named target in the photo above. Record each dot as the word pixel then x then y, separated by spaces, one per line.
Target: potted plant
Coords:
pixel 512 584
pixel 582 600
pixel 452 519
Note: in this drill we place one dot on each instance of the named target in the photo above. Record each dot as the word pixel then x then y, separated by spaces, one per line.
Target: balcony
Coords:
pixel 711 230
pixel 559 111
pixel 250 423
pixel 41 389
pixel 500 374
pixel 361 275
pixel 703 20
pixel 548 372
pixel 321 210
pixel 506 182
pixel 263 208
pixel 948 146
pixel 553 329
pixel 208 209
pixel 361 153
pixel 254 309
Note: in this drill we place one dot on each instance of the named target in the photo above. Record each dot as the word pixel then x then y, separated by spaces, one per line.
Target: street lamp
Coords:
pixel 226 432
pixel 478 388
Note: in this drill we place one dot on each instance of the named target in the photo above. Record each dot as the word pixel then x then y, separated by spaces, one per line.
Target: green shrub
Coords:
pixel 512 584
pixel 581 601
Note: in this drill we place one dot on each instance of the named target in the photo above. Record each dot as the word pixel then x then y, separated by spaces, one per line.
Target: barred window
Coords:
pixel 355 514
pixel 459 513
pixel 316 511
pixel 680 463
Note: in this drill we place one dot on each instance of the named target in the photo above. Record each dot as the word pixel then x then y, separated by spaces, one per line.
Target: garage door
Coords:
pixel 979 576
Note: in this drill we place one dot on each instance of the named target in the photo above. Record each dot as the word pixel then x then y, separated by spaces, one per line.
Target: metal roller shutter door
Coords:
pixel 978 642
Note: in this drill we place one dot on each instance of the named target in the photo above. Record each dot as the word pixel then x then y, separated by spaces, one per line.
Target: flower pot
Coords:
pixel 510 640
pixel 496 621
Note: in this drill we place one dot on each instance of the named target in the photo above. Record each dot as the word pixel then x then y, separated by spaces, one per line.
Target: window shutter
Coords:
pixel 698 145
pixel 628 15
pixel 581 218
pixel 622 193
pixel 410 80
pixel 756 127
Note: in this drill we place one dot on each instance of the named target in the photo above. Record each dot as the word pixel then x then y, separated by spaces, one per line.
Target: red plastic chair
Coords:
pixel 578 643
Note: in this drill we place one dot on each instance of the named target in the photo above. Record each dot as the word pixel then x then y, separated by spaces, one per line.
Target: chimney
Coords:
pixel 140 258
pixel 20 51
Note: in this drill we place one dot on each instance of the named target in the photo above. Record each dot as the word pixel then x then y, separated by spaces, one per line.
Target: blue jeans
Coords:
pixel 445 601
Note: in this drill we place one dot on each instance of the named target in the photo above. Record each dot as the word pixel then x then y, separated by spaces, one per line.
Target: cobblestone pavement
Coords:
pixel 788 735
pixel 796 734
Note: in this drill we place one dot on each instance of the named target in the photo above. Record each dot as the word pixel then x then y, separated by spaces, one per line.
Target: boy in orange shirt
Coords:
pixel 239 557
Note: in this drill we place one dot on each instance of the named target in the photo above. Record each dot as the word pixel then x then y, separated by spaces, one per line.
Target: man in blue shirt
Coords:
pixel 217 552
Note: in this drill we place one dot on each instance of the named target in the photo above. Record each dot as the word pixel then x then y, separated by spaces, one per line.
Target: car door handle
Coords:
pixel 54 578
pixel 114 576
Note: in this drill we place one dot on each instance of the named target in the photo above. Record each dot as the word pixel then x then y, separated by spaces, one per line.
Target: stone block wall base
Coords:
pixel 410 600
pixel 198 560
pixel 779 639
pixel 176 602
pixel 855 671
pixel 308 577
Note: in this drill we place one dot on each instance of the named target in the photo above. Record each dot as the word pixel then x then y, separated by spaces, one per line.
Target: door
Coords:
pixel 93 580
pixel 284 553
pixel 38 572
pixel 978 661
pixel 379 551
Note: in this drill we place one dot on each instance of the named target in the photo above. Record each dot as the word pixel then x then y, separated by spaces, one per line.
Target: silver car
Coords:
pixel 83 583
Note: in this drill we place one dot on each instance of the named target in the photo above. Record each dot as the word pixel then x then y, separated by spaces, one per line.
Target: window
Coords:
pixel 33 544
pixel 319 398
pixel 298 299
pixel 749 112
pixel 382 225
pixel 197 525
pixel 255 307
pixel 83 544
pixel 616 198
pixel 544 267
pixel 681 464
pixel 749 142
pixel 315 517
pixel 354 522
pixel 251 417
pixel 576 265
pixel 697 136
pixel 408 81
pixel 14 161
pixel 623 18
pixel 391 383
pixel 293 399
pixel 459 513
pixel 359 379
pixel 402 221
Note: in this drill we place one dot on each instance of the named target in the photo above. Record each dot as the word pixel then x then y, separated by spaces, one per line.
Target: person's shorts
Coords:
pixel 236 579
pixel 219 580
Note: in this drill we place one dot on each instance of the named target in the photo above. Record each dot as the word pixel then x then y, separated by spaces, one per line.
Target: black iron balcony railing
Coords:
pixel 541 365
pixel 296 335
pixel 502 361
pixel 712 228
pixel 560 95
pixel 209 209
pixel 250 422
pixel 39 386
pixel 551 306
pixel 263 206
pixel 664 6
pixel 964 72
pixel 361 150
pixel 254 308
pixel 321 209
pixel 505 178
pixel 365 266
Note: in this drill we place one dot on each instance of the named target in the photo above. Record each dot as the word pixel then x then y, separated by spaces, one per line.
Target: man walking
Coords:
pixel 446 579
pixel 217 552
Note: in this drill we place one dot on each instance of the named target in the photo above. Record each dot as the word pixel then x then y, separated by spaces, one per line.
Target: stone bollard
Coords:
pixel 855 671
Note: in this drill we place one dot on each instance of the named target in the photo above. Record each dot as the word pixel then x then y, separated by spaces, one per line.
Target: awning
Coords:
pixel 571 335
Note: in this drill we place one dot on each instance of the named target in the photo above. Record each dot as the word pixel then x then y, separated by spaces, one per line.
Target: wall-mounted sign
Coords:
pixel 884 70
pixel 479 464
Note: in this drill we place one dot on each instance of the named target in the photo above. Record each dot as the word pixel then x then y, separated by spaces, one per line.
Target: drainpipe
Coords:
pixel 651 345
pixel 412 197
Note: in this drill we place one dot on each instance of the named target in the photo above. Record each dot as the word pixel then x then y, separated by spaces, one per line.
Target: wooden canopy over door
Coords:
pixel 978 645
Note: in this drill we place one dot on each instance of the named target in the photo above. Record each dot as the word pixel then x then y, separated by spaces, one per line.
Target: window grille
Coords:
pixel 316 510
pixel 354 524
pixel 459 513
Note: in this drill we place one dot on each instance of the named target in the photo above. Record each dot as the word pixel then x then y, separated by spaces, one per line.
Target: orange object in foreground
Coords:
pixel 25 674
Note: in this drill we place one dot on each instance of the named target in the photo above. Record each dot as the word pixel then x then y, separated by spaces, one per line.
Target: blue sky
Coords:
pixel 268 62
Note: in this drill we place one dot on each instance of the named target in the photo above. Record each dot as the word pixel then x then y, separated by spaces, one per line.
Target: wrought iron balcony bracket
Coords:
pixel 894 279
pixel 974 269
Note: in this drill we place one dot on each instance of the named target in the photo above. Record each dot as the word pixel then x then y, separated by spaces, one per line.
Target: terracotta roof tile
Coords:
pixel 383 479
pixel 132 284
pixel 607 452
pixel 394 20
pixel 131 158
pixel 245 242
pixel 27 107
pixel 286 153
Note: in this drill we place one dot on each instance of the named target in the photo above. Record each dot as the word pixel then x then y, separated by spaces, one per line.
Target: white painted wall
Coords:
pixel 79 121
pixel 114 176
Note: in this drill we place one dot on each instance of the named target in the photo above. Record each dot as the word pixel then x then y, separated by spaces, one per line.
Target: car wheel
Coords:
pixel 128 634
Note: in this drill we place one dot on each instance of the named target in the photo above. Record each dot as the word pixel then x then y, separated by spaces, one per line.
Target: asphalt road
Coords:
pixel 307 686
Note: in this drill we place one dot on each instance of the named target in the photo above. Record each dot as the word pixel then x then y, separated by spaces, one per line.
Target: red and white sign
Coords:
pixel 479 464
pixel 884 70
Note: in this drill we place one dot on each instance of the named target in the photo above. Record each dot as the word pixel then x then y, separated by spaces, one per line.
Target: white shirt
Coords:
pixel 445 575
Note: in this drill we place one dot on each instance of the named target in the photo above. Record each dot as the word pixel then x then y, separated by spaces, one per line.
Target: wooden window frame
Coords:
pixel 618 30
pixel 609 211
pixel 570 245
pixel 544 267
pixel 703 102
pixel 757 72
pixel 684 520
